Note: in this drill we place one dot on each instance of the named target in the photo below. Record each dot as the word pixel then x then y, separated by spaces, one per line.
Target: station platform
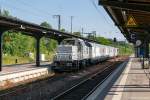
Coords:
pixel 22 72
pixel 128 82
pixel 21 67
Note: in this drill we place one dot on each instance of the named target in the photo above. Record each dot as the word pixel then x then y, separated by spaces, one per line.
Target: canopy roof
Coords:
pixel 131 16
pixel 35 30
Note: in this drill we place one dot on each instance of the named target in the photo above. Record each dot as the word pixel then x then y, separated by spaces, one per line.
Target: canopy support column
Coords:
pixel 38 51
pixel 146 50
pixel 2 30
pixel 1 51
pixel 136 51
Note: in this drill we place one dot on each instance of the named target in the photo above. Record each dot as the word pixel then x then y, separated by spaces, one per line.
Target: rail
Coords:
pixel 83 93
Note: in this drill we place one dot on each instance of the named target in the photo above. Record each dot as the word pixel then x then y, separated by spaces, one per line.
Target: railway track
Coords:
pixel 52 88
pixel 20 88
pixel 82 90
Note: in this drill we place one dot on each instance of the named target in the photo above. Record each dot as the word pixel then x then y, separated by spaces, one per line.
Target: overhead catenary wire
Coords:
pixel 35 11
pixel 37 15
pixel 47 13
pixel 100 13
pixel 41 11
pixel 35 8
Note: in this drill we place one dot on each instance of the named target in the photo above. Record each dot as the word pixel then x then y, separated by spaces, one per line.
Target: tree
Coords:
pixel 77 33
pixel 47 45
pixel 103 40
pixel 5 13
pixel 91 37
pixel 63 30
pixel 45 24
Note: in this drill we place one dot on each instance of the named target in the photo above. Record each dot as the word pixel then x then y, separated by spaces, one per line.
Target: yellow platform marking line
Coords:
pixel 122 82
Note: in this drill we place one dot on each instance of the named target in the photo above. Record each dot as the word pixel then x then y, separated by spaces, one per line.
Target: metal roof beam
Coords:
pixel 125 5
pixel 16 24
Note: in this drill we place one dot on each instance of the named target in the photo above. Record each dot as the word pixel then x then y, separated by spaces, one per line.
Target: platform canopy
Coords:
pixel 131 16
pixel 35 30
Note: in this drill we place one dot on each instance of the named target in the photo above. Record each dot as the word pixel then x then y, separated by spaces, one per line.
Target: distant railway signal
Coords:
pixel 115 40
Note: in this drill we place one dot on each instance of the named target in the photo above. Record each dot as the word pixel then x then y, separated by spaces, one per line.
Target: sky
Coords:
pixel 87 14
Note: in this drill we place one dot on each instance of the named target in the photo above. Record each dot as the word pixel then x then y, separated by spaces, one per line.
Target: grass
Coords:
pixel 8 60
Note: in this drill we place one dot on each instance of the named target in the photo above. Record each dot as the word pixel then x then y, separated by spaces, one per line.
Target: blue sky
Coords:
pixel 85 14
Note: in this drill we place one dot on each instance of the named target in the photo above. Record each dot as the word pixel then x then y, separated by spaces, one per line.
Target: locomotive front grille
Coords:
pixel 65 49
pixel 63 57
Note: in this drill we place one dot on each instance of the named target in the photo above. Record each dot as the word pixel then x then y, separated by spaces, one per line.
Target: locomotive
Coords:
pixel 74 54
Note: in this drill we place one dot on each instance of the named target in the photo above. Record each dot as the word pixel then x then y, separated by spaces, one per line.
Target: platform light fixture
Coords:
pixel 124 12
pixel 44 32
pixel 22 27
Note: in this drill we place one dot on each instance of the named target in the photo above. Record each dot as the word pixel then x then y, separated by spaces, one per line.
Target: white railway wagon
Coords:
pixel 74 54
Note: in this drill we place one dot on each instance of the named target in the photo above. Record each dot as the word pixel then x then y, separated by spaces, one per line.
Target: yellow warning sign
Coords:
pixel 131 22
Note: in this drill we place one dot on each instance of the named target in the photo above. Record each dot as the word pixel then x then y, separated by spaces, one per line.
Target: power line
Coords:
pixel 95 6
pixel 93 3
pixel 35 8
pixel 25 11
pixel 44 12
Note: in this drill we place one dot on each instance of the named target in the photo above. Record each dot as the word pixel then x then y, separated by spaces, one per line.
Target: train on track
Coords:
pixel 74 54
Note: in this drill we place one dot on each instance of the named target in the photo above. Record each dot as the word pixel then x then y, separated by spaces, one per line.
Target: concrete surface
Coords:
pixel 133 84
pixel 19 73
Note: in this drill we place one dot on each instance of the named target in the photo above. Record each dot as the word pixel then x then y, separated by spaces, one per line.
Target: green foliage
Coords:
pixel 45 24
pixel 47 45
pixel 91 37
pixel 14 43
pixel 17 46
pixel 77 33
pixel 103 40
pixel 63 30
pixel 124 48
pixel 7 60
pixel 5 13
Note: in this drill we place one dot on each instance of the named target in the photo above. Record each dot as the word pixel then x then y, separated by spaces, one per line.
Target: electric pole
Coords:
pixel 82 31
pixel 59 21
pixel 71 23
pixel 0 10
